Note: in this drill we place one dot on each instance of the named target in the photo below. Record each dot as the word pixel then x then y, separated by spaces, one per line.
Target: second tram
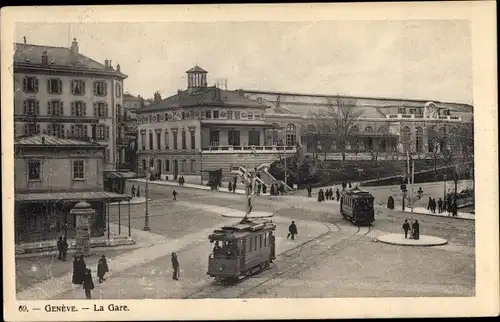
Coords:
pixel 357 206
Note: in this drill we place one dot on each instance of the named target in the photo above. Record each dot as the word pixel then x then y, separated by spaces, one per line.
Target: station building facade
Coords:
pixel 204 128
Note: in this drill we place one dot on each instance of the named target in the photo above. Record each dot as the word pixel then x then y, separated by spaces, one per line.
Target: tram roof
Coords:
pixel 358 192
pixel 241 230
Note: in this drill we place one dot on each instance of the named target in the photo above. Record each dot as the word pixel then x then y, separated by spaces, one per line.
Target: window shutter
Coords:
pixel 95 109
pixel 25 129
pixel 106 108
pixel 105 85
pixel 59 83
pixel 86 131
pixel 83 87
pixel 61 107
pixel 62 129
pixel 72 108
pixel 49 129
pixel 49 112
pixel 48 86
pixel 84 109
pixel 107 132
pixel 25 107
pixel 37 108
pixel 95 88
pixel 72 130
pixel 25 84
pixel 38 129
pixel 36 84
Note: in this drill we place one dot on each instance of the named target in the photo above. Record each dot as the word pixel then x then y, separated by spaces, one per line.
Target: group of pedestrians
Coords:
pixel 325 195
pixel 62 248
pixel 83 275
pixel 413 229
pixel 443 206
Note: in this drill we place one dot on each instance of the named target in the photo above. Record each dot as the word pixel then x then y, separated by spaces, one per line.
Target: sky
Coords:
pixel 427 59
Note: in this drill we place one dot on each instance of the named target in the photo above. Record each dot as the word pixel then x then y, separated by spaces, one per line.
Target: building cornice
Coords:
pixel 58 69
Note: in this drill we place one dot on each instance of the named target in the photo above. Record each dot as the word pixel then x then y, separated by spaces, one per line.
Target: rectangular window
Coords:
pixel 78 87
pixel 250 116
pixel 78 109
pixel 31 129
pixel 257 116
pixel 233 137
pixel 118 90
pixel 193 140
pixel 216 114
pixel 31 107
pixel 167 165
pixel 183 140
pixel 237 115
pixel 30 85
pixel 254 138
pixel 144 164
pixel 101 132
pixel 208 114
pixel 78 170
pixel 167 143
pixel 192 166
pixel 401 110
pixel 174 136
pixel 56 130
pixel 214 138
pixel 265 240
pixel 158 140
pixel 255 243
pixel 34 170
pixel 55 108
pixel 54 86
pixel 229 115
pixel 260 241
pixel 100 88
pixel 250 244
pixel 143 141
pixel 150 140
pixel 101 109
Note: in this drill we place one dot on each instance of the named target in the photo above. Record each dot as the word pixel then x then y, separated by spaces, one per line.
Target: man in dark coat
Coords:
pixel 175 267
pixel 350 186
pixel 138 192
pixel 292 231
pixel 249 208
pixel 416 230
pixel 133 191
pixel 390 203
pixel 429 204
pixel 230 186
pixel 60 248
pixel 309 191
pixel 65 247
pixel 234 184
pixel 174 193
pixel 88 284
pixel 321 195
pixel 81 269
pixel 406 227
pixel 76 266
pixel 102 268
pixel 264 189
pixel 440 205
pixel 337 194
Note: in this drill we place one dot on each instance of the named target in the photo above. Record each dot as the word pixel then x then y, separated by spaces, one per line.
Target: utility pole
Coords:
pixel 146 213
pixel 412 183
pixel 286 173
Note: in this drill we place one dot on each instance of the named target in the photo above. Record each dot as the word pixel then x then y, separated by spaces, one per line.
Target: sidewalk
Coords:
pixel 192 186
pixel 133 201
pixel 424 211
pixel 49 247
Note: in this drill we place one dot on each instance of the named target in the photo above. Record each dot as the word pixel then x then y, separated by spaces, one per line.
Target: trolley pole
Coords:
pixel 146 213
pixel 412 183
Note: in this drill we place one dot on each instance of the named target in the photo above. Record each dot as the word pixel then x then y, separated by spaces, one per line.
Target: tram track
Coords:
pixel 294 266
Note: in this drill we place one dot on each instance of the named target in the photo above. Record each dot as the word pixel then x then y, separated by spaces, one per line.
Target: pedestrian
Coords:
pixel 406 227
pixel 76 266
pixel 259 188
pixel 138 193
pixel 416 230
pixel 390 202
pixel 65 248
pixel 350 186
pixel 321 195
pixel 175 267
pixel 88 284
pixel 60 248
pixel 338 194
pixel 133 191
pixel 309 191
pixel 81 269
pixel 440 205
pixel 264 189
pixel 249 205
pixel 230 186
pixel 174 193
pixel 455 209
pixel 429 204
pixel 292 231
pixel 102 268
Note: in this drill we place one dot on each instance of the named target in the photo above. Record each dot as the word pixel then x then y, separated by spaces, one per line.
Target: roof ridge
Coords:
pixel 23 44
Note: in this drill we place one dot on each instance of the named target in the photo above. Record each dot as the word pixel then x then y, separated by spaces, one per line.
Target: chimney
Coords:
pixel 45 59
pixel 24 40
pixel 157 97
pixel 106 63
pixel 110 66
pixel 118 67
pixel 74 46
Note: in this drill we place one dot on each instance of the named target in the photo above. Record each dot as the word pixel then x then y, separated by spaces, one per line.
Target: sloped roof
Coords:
pixel 203 96
pixel 196 69
pixel 310 110
pixel 37 140
pixel 61 56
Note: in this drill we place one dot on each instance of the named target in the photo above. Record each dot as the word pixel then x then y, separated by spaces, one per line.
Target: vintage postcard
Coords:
pixel 225 162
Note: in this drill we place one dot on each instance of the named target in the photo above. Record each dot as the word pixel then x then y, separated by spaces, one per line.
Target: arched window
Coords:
pixel 311 129
pixel 431 138
pixel 382 141
pixel 291 137
pixel 368 129
pixel 419 139
pixel 354 129
pixel 406 137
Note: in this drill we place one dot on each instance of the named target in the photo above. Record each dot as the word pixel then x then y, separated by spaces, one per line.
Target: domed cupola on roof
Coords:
pixel 197 77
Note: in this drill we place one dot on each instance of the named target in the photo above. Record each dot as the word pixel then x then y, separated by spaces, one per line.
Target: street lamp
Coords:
pixel 146 212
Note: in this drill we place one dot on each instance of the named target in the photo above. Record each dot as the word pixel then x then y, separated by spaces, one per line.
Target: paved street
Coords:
pixel 340 265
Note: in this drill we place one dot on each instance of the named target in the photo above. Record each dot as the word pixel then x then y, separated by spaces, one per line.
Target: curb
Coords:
pixel 430 244
pixel 52 249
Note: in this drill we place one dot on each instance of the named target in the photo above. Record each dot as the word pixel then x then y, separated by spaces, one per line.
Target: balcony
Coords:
pixel 56 118
pixel 418 116
pixel 260 149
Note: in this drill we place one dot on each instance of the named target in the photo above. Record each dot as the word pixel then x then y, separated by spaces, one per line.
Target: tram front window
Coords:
pixel 227 250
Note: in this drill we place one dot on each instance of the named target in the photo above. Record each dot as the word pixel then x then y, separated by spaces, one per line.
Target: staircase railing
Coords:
pixel 263 169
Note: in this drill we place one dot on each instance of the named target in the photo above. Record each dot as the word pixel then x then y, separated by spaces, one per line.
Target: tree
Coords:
pixel 322 134
pixel 343 114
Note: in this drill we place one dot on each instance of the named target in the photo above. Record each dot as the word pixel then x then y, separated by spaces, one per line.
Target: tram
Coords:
pixel 357 206
pixel 242 249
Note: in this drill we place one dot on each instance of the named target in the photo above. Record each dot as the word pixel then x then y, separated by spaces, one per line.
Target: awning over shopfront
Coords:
pixel 71 196
pixel 119 175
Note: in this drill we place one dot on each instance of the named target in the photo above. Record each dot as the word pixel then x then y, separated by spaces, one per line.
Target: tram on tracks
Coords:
pixel 356 206
pixel 242 249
